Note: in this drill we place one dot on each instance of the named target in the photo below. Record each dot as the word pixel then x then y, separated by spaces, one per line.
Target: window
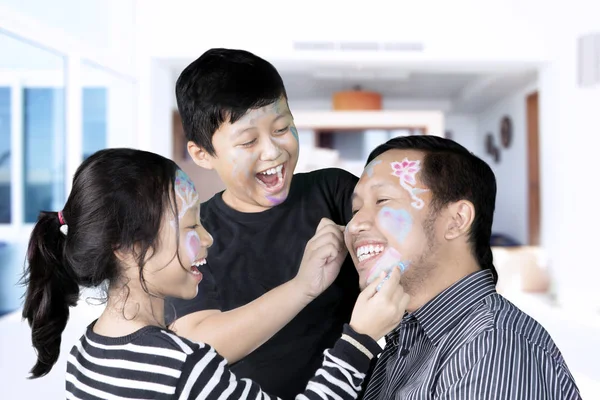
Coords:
pixel 44 148
pixel 94 120
pixel 5 141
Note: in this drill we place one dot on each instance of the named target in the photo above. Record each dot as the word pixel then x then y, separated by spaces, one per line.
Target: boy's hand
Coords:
pixel 323 257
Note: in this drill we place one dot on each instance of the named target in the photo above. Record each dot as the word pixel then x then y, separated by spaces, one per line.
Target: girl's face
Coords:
pixel 172 271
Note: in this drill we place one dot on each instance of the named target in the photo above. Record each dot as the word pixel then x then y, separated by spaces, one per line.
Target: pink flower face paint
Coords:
pixel 407 170
pixel 397 222
pixel 185 190
pixel 192 245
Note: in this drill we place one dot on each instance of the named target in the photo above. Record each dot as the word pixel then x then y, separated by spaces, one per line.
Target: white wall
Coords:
pixel 106 26
pixel 570 126
pixel 511 172
pixel 464 130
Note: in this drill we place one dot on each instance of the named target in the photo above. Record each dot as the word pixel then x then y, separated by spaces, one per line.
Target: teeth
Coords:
pixel 273 171
pixel 199 263
pixel 368 251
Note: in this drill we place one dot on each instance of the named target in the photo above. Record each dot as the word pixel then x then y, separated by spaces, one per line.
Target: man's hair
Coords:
pixel 453 173
pixel 222 85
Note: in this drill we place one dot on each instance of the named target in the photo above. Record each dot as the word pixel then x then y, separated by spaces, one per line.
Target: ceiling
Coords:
pixel 467 89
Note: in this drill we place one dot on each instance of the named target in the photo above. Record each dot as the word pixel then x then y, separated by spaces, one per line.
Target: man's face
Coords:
pixel 392 223
pixel 256 157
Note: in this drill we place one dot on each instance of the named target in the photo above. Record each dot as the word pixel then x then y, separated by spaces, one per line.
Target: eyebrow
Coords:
pixel 373 186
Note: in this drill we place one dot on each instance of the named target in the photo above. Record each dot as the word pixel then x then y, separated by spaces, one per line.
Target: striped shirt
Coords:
pixel 154 363
pixel 470 343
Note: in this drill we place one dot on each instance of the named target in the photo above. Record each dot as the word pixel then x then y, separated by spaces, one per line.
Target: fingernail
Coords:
pixel 401 266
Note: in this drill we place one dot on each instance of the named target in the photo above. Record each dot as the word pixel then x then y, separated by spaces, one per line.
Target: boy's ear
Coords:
pixel 199 155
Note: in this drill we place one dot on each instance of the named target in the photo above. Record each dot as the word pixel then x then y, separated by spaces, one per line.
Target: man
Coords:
pixel 426 204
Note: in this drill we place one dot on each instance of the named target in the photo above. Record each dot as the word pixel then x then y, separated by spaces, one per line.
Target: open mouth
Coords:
pixel 194 268
pixel 272 179
pixel 368 251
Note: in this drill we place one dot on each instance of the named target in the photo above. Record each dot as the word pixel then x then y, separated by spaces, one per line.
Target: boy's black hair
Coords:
pixel 453 173
pixel 221 86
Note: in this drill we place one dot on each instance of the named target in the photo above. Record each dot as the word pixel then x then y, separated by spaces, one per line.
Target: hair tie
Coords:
pixel 63 225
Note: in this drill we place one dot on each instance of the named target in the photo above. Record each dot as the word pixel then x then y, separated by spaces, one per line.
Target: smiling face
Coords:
pixel 255 157
pixel 392 223
pixel 173 269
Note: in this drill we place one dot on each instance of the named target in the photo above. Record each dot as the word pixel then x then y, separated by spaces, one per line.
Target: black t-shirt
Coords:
pixel 256 252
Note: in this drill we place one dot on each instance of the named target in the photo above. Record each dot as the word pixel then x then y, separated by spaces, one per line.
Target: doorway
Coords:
pixel 533 166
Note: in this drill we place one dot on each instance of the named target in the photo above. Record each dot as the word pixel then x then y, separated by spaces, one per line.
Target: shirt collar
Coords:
pixel 447 308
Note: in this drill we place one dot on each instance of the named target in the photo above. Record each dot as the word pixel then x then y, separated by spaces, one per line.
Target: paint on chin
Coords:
pixel 396 222
pixel 276 200
pixel 192 245
pixel 389 259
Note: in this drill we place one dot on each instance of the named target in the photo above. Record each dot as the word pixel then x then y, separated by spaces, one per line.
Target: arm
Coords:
pixel 505 365
pixel 236 333
pixel 205 374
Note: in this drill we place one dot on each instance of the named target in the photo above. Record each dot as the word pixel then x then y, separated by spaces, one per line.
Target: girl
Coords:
pixel 132 221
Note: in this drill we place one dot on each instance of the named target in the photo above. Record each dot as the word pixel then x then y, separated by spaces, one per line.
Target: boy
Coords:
pixel 234 111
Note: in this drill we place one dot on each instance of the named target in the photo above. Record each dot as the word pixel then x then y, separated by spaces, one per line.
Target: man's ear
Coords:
pixel 199 155
pixel 461 215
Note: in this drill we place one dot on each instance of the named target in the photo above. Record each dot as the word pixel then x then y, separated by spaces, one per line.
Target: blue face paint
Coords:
pixel 294 132
pixel 370 166
pixel 396 222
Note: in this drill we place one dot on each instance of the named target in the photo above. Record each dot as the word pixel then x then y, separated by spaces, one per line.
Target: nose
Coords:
pixel 206 238
pixel 271 150
pixel 360 222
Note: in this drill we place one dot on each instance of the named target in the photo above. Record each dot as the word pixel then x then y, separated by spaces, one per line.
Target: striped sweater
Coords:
pixel 154 363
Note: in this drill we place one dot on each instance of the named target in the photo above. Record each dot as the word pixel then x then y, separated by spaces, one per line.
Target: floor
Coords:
pixel 577 336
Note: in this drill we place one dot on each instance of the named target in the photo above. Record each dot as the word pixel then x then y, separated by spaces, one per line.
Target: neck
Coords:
pixel 128 309
pixel 442 277
pixel 241 206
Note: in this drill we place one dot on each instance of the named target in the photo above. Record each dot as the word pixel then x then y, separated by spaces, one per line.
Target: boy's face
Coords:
pixel 255 157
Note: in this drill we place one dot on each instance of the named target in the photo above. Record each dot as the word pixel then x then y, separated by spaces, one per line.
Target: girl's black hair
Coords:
pixel 116 203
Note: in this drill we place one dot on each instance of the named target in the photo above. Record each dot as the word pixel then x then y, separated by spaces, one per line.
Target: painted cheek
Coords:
pixel 397 222
pixel 193 245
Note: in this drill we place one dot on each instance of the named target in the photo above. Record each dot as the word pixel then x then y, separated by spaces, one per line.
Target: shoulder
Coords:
pixel 326 177
pixel 501 326
pixel 166 341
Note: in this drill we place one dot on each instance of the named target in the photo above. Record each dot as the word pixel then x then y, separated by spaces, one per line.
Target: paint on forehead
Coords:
pixel 407 170
pixel 370 166
pixel 398 223
pixel 185 190
pixel 192 245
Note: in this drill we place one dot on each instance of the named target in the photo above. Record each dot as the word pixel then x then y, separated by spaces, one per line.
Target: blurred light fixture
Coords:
pixel 356 99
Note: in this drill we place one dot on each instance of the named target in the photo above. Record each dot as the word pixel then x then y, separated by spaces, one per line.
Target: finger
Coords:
pixel 323 223
pixel 403 302
pixel 371 289
pixel 388 288
pixel 326 252
pixel 327 236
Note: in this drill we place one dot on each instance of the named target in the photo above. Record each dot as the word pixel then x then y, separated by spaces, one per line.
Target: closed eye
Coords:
pixel 381 201
pixel 248 144
pixel 281 131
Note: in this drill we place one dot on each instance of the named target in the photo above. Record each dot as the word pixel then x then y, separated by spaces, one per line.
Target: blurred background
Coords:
pixel 516 82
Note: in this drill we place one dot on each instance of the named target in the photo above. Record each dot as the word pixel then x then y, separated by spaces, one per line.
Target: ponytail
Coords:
pixel 52 287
